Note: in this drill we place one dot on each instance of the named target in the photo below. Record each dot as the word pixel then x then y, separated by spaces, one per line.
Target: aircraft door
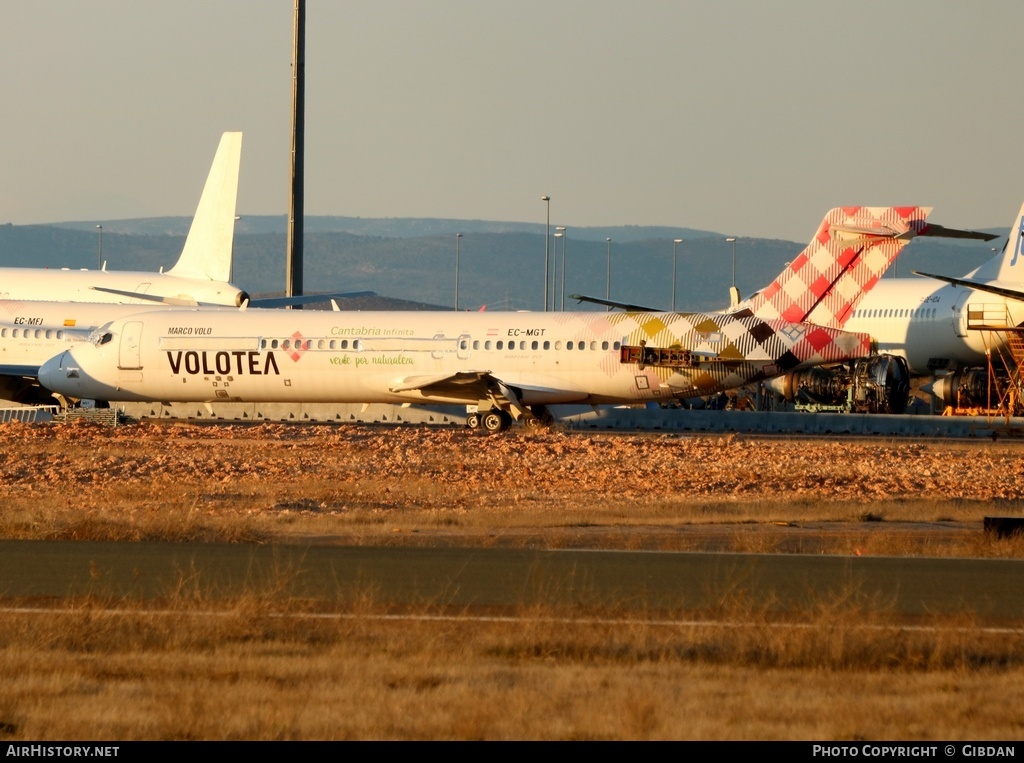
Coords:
pixel 131 341
pixel 960 313
pixel 463 346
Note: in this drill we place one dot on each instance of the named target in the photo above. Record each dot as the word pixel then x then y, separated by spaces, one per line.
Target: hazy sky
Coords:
pixel 750 118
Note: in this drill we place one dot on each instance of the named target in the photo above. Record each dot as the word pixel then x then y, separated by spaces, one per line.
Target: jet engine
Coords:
pixel 879 384
pixel 967 387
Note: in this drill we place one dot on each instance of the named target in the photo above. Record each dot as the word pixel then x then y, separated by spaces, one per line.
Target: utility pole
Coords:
pixel 293 277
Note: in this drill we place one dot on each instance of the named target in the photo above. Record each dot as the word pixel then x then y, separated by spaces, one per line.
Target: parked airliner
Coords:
pixel 200 276
pixel 509 365
pixel 940 328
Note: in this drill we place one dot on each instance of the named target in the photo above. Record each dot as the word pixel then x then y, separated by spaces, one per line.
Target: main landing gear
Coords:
pixel 497 420
pixel 492 421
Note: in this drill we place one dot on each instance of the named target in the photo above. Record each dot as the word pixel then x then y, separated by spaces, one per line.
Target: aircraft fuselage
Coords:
pixel 545 358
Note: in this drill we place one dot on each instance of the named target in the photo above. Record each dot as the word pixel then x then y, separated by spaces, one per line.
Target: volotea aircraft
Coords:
pixel 509 365
pixel 941 332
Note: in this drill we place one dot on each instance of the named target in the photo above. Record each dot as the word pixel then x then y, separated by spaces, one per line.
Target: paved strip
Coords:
pixel 509 578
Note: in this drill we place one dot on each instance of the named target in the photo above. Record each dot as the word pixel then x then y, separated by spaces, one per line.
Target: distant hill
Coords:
pixel 501 264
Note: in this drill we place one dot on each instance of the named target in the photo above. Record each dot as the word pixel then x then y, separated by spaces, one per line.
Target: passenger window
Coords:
pixel 604 345
pixel 547 345
pixel 534 345
pixel 568 345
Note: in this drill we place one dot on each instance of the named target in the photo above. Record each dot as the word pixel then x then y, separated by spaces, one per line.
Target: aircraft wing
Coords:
pixel 13 369
pixel 148 297
pixel 481 385
pixel 425 383
pixel 991 288
pixel 611 303
pixel 307 299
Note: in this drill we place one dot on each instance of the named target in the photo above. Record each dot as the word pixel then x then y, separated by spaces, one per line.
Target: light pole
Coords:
pixel 458 239
pixel 99 258
pixel 734 293
pixel 565 241
pixel 554 269
pixel 559 233
pixel 675 258
pixel 608 275
pixel 547 250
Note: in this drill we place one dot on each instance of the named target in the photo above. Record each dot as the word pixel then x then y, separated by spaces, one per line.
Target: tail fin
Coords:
pixel 849 253
pixel 208 248
pixel 1008 265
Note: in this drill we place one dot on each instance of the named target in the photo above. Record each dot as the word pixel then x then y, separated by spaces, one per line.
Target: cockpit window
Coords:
pixel 101 335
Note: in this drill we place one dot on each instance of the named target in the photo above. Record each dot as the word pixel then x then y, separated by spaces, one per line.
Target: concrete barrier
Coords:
pixel 603 418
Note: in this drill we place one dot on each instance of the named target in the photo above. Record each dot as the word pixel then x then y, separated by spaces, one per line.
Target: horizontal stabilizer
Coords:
pixel 938 230
pixel 991 288
pixel 611 303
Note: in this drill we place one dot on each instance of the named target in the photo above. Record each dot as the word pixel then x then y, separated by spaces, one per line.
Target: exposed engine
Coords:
pixel 970 387
pixel 879 384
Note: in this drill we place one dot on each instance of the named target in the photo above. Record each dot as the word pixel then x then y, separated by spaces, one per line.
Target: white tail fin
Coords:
pixel 208 248
pixel 1008 265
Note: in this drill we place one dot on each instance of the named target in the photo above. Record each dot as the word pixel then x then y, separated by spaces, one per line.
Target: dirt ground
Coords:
pixel 418 485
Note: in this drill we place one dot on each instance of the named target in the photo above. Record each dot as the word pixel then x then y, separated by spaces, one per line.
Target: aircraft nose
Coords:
pixel 54 376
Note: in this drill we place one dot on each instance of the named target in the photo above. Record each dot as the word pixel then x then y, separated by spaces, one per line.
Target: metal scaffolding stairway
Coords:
pixel 1004 346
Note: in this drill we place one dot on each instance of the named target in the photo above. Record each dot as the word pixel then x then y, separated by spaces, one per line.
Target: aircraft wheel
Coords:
pixel 540 419
pixel 493 422
pixel 473 421
pixel 506 420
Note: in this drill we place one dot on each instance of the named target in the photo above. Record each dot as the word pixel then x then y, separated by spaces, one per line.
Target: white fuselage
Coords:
pixel 926 322
pixel 33 332
pixel 543 358
pixel 40 284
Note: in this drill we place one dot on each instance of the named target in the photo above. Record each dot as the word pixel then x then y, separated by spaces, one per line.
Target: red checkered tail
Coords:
pixel 851 250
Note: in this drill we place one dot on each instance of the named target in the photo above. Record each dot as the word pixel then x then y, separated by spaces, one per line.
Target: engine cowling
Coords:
pixel 878 384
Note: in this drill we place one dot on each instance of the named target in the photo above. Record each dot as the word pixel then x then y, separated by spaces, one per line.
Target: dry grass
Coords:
pixel 263 667
pixel 260 668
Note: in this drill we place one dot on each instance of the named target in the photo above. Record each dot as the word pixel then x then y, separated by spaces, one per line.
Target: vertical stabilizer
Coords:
pixel 1008 265
pixel 208 248
pixel 851 250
